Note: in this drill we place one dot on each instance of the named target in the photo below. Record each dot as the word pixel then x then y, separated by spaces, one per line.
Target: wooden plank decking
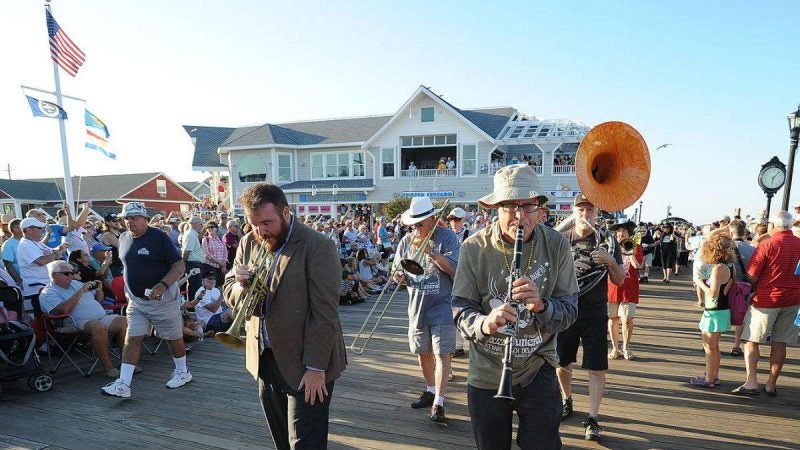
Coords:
pixel 648 403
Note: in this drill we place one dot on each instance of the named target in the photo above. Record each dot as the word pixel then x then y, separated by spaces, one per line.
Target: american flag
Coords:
pixel 63 51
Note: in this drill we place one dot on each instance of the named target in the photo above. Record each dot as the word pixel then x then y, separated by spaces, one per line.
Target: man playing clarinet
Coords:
pixel 547 294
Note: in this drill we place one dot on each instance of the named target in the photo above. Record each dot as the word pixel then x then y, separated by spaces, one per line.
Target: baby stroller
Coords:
pixel 18 357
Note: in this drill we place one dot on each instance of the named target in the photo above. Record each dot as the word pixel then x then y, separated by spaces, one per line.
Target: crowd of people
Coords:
pixel 576 287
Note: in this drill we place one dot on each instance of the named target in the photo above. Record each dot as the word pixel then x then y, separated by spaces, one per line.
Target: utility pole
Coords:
pixel 7 170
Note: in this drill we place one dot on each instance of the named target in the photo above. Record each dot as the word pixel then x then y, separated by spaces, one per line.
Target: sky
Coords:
pixel 715 79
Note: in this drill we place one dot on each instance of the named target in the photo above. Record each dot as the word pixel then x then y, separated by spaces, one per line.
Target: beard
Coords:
pixel 274 242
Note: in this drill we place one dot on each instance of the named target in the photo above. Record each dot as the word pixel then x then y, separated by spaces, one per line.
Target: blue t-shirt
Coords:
pixel 56 233
pixel 10 252
pixel 146 259
pixel 430 295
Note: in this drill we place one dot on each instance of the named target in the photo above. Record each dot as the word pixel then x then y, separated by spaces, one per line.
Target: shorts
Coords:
pixel 775 323
pixel 626 310
pixel 593 334
pixel 717 321
pixel 439 339
pixel 648 260
pixel 164 315
pixel 106 320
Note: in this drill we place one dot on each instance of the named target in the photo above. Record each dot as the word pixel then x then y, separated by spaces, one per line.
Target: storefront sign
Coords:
pixel 430 194
pixel 339 198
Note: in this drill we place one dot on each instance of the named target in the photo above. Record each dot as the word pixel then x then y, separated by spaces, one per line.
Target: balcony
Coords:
pixel 537 169
pixel 428 173
pixel 564 170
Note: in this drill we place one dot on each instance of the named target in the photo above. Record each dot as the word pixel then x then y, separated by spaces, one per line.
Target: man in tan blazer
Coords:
pixel 294 348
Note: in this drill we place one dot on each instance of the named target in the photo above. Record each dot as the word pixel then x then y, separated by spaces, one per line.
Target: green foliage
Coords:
pixel 396 206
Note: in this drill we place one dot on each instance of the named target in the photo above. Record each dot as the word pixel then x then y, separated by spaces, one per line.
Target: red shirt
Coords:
pixel 773 264
pixel 629 291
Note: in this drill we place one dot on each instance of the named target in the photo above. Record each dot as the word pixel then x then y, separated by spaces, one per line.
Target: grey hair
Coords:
pixel 57 266
pixel 782 220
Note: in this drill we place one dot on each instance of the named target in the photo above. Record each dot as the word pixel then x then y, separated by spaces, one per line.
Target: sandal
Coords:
pixel 736 351
pixel 701 382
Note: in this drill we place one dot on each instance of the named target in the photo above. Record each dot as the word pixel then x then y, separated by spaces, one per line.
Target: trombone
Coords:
pixel 412 266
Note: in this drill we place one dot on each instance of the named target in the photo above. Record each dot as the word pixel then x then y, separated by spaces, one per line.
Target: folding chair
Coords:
pixel 65 338
pixel 118 288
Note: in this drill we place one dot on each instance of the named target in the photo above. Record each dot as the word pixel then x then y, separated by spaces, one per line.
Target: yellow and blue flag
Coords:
pixel 97 135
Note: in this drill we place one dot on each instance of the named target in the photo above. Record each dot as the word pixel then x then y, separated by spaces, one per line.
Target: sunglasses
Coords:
pixel 418 224
pixel 66 274
pixel 457 219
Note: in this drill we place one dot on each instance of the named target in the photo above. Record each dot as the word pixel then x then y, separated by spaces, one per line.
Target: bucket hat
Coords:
pixel 514 182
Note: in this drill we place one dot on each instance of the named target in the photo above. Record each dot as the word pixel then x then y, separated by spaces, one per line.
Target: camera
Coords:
pixel 92 285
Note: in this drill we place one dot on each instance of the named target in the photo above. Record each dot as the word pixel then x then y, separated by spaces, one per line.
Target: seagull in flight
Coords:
pixel 662 146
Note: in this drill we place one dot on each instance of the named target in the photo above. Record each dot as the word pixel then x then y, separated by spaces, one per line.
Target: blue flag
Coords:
pixel 44 108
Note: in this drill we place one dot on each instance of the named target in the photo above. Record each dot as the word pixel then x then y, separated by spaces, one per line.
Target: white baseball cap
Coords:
pixel 29 222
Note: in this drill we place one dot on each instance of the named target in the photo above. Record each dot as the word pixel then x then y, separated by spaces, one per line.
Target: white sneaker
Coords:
pixel 179 378
pixel 117 389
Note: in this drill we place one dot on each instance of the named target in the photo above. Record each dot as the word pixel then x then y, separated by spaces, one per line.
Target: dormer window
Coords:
pixel 427 114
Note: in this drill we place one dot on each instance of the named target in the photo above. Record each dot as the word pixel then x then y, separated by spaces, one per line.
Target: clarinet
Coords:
pixel 504 389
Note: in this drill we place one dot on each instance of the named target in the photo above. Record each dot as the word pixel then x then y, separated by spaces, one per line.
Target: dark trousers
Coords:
pixel 293 423
pixel 538 407
pixel 195 280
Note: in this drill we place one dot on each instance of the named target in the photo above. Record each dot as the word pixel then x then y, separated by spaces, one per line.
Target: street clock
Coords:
pixel 772 176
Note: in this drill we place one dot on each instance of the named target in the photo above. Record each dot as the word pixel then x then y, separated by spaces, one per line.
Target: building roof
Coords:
pixel 33 189
pixel 206 142
pixel 102 187
pixel 314 132
pixel 198 188
pixel 99 187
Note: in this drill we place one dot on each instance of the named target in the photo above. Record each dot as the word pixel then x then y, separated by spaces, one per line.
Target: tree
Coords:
pixel 396 206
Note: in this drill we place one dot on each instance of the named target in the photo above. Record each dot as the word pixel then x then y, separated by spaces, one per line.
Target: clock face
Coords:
pixel 772 177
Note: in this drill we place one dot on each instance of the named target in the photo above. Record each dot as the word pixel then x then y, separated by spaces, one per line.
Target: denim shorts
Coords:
pixel 439 339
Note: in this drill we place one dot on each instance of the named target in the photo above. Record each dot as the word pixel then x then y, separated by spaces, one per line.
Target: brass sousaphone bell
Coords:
pixel 612 166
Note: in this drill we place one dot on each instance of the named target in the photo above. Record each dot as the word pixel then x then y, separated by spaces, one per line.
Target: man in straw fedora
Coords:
pixel 547 290
pixel 431 332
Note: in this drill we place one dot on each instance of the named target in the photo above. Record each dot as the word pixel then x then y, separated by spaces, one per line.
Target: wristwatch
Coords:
pixel 546 305
pixel 161 282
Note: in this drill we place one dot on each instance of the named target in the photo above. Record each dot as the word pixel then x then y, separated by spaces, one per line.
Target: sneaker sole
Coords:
pixel 180 385
pixel 115 395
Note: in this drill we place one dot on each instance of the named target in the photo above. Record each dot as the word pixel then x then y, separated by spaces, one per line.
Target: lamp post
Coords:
pixel 640 211
pixel 794 132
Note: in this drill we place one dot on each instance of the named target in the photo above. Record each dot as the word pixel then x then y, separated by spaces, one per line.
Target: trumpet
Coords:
pixel 246 306
pixel 412 266
pixel 627 246
pixel 504 388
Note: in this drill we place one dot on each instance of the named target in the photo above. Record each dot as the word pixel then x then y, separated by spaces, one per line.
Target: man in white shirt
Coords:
pixel 82 301
pixel 33 257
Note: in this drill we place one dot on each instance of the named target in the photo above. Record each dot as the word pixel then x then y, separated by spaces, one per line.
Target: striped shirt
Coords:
pixel 773 264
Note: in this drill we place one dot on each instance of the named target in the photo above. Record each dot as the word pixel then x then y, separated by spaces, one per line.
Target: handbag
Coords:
pixel 738 301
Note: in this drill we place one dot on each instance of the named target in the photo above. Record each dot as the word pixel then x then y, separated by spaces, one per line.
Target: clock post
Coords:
pixel 771 178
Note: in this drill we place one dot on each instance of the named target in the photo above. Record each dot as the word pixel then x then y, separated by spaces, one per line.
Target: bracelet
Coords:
pixel 161 282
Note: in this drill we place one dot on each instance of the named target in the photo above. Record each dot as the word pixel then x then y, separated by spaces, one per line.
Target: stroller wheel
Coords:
pixel 40 382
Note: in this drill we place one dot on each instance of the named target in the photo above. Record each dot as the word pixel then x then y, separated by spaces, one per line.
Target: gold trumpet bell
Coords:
pixel 612 165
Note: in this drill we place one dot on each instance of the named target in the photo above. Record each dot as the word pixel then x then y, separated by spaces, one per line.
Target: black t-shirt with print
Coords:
pixel 592 304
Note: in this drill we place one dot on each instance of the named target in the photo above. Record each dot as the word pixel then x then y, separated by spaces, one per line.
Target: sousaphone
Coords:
pixel 612 166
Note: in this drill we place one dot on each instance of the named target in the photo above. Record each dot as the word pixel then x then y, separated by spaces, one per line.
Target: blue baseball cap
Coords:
pixel 98 247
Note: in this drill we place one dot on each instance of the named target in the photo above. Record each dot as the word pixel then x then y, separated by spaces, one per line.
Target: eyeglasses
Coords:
pixel 66 274
pixel 457 219
pixel 418 224
pixel 513 208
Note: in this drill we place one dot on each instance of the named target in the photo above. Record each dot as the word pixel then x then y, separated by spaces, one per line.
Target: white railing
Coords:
pixel 537 169
pixel 563 170
pixel 428 173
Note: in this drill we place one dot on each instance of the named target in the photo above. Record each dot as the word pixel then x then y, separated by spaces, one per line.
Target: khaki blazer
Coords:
pixel 303 314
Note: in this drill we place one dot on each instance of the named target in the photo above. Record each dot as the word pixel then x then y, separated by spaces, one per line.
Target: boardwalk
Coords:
pixel 648 402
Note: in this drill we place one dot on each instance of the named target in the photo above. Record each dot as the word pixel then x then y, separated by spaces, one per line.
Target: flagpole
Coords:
pixel 63 130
